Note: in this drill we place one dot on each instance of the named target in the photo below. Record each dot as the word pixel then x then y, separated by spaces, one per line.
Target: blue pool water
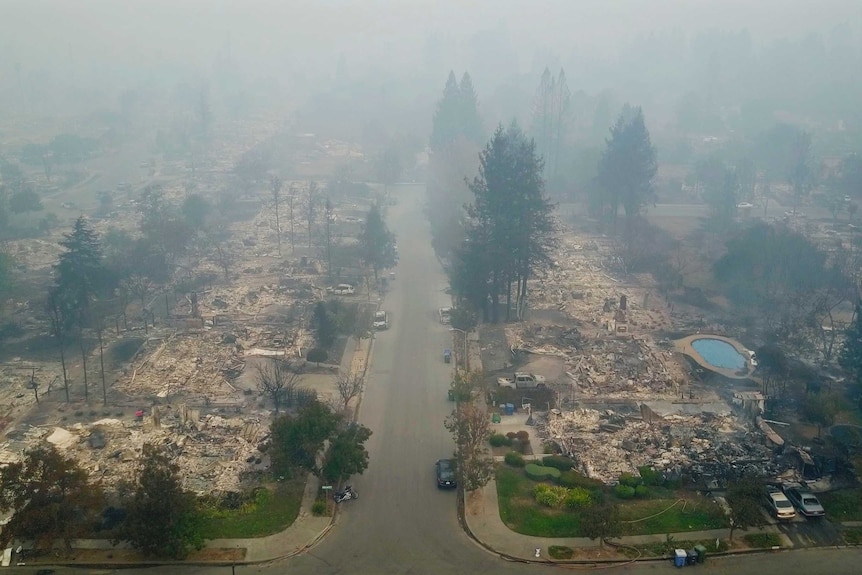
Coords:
pixel 718 353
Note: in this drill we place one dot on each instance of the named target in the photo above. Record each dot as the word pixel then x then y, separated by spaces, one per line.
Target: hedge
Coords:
pixel 541 473
pixel 561 462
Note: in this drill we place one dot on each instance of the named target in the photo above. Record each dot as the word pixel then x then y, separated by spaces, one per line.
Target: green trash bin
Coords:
pixel 701 553
pixel 495 418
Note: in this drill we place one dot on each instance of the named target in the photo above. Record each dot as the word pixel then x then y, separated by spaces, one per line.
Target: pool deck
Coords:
pixel 684 346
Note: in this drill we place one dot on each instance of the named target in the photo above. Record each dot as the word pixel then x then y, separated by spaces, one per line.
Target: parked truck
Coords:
pixel 522 381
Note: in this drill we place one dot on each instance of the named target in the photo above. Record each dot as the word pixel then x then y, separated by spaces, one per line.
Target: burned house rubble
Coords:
pixel 625 397
pixel 214 452
pixel 704 447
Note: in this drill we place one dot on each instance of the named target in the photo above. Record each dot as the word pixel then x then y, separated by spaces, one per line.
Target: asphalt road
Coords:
pixel 401 523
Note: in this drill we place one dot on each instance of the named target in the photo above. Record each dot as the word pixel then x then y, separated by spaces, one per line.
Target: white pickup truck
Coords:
pixel 522 381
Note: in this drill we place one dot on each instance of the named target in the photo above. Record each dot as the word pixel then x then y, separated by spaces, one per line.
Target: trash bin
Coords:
pixel 679 557
pixel 509 409
pixel 495 418
pixel 691 558
pixel 701 553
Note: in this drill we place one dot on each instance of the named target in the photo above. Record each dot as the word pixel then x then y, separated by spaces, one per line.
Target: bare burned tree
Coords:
pixel 470 426
pixel 277 379
pixel 139 286
pixel 275 191
pixel 291 202
pixel 349 385
pixel 312 200
pixel 225 259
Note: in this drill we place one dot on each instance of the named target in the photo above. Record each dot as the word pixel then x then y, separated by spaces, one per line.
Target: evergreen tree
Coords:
pixel 509 226
pixel 80 273
pixel 162 518
pixel 850 357
pixel 457 114
pixel 378 243
pixel 628 166
pixel 444 127
pixel 470 122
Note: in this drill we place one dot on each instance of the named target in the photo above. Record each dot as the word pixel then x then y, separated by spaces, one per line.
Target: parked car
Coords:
pixel 445 314
pixel 522 381
pixel 445 473
pixel 805 501
pixel 381 321
pixel 779 504
pixel 343 289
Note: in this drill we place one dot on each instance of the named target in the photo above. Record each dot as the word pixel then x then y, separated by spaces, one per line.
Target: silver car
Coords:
pixel 779 504
pixel 807 504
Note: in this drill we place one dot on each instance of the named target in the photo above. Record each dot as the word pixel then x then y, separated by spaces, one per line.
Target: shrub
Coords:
pixel 578 497
pixel 541 473
pixel 650 476
pixel 499 440
pixel 511 435
pixel 629 480
pixel 520 446
pixel 318 507
pixel 523 436
pixel 624 491
pixel 561 462
pixel 514 459
pixel 549 448
pixel 560 552
pixel 317 355
pixel 574 479
pixel 550 495
pixel 642 491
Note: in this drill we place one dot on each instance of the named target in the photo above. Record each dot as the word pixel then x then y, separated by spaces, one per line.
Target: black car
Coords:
pixel 446 473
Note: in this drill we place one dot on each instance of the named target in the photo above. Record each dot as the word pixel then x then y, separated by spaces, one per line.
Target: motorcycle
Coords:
pixel 346 495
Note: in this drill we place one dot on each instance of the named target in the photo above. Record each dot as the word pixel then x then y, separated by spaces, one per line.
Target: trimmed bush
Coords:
pixel 574 479
pixel 561 552
pixel 520 446
pixel 549 448
pixel 499 440
pixel 514 459
pixel 523 436
pixel 550 495
pixel 624 491
pixel 642 491
pixel 561 462
pixel 541 473
pixel 650 476
pixel 577 498
pixel 511 435
pixel 629 480
pixel 318 508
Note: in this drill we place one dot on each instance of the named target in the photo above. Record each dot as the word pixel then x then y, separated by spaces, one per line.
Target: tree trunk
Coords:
pixel 102 362
pixel 63 364
pixel 84 361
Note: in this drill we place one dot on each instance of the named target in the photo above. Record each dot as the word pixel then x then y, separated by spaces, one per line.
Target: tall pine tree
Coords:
pixel 628 166
pixel 850 357
pixel 510 228
pixel 80 273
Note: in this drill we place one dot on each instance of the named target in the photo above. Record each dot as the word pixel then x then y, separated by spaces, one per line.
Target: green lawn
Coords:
pixel 272 509
pixel 852 535
pixel 520 512
pixel 842 505
pixel 697 514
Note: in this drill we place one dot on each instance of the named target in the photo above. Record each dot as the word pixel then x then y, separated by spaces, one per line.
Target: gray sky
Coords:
pixel 270 31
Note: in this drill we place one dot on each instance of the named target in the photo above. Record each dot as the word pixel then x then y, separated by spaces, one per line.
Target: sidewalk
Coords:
pixel 482 517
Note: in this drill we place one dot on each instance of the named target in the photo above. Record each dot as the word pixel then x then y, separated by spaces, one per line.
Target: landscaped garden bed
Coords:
pixel 553 502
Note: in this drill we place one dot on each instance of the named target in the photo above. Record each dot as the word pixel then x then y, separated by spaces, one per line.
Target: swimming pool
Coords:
pixel 718 353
